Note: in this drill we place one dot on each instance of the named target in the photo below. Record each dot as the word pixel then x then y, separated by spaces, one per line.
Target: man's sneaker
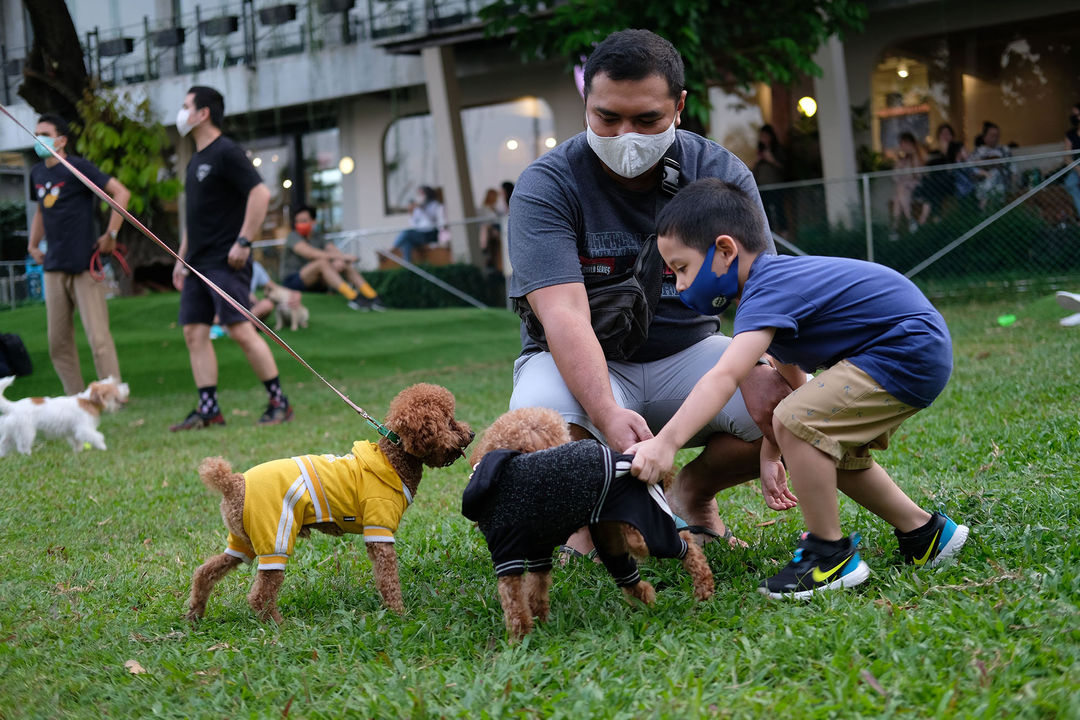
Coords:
pixel 197 421
pixel 817 566
pixel 934 543
pixel 276 414
pixel 357 304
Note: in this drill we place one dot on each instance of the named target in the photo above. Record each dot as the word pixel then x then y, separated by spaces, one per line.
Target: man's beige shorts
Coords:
pixel 844 413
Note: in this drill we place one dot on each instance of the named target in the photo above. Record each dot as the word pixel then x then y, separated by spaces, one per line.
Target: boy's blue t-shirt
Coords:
pixel 827 309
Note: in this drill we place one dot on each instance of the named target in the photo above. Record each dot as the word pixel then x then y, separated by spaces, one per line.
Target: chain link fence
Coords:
pixel 958 229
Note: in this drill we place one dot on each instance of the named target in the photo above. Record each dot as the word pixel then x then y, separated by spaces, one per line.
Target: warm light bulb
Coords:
pixel 257 162
pixel 286 183
pixel 511 144
pixel 807 106
pixel 346 165
pixel 549 143
pixel 902 71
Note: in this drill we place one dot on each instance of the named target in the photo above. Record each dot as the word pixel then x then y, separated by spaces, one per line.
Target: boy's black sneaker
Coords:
pixel 197 421
pixel 933 544
pixel 818 565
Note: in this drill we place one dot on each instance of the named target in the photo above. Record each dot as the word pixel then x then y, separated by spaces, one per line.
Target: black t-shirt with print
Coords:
pixel 67 209
pixel 219 178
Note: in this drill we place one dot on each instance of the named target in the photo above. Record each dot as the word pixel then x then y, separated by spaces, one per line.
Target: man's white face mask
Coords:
pixel 182 122
pixel 630 154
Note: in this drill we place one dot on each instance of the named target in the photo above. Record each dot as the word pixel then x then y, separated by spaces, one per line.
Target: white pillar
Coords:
pixel 444 99
pixel 834 128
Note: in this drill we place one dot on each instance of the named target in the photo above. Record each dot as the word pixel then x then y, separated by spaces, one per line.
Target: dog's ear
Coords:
pixel 97 393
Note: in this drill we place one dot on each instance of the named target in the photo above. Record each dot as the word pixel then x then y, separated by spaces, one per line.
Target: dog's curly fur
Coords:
pixel 422 416
pixel 527 596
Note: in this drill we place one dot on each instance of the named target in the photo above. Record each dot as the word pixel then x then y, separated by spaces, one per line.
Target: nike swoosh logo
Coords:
pixel 823 576
pixel 933 544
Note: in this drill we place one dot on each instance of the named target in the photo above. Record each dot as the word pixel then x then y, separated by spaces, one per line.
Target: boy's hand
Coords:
pixel 652 458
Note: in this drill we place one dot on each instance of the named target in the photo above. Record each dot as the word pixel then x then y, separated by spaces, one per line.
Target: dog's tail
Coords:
pixel 218 475
pixel 5 404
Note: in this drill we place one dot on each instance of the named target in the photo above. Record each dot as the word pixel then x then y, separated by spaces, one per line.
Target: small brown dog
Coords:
pixel 288 308
pixel 363 492
pixel 531 487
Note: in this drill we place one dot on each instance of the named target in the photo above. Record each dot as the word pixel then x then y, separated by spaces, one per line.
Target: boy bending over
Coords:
pixel 886 353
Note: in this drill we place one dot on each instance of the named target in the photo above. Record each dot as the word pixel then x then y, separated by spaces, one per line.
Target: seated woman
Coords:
pixel 427 216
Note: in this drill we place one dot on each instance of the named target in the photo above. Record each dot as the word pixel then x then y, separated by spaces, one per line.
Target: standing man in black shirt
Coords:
pixel 225 207
pixel 65 220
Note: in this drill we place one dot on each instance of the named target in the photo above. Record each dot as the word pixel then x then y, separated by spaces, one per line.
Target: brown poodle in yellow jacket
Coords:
pixel 365 491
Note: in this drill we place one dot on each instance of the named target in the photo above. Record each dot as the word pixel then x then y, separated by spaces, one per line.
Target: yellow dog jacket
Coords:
pixel 359 492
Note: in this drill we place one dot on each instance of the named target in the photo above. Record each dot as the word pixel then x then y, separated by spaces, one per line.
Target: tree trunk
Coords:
pixel 54 75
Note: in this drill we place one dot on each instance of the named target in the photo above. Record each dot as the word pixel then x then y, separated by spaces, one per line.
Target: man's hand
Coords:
pixel 238 256
pixel 774 486
pixel 622 428
pixel 106 244
pixel 179 272
pixel 652 459
pixel 35 252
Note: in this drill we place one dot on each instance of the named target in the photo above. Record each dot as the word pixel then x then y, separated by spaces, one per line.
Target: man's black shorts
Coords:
pixel 199 303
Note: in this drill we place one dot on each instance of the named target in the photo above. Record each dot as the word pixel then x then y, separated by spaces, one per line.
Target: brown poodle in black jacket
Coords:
pixel 531 487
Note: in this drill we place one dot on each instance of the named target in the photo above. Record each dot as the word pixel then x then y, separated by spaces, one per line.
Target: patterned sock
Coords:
pixel 345 289
pixel 277 397
pixel 208 405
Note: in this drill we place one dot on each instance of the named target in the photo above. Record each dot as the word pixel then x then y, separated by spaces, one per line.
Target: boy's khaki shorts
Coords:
pixel 844 413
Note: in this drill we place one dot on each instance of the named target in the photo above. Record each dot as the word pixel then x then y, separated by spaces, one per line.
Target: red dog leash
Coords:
pixel 97 268
pixel 382 429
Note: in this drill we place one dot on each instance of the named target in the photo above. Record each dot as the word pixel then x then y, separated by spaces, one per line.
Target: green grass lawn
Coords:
pixel 97 550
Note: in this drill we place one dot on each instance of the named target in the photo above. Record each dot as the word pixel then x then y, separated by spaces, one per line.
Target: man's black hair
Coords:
pixel 708 208
pixel 58 122
pixel 635 55
pixel 304 208
pixel 208 97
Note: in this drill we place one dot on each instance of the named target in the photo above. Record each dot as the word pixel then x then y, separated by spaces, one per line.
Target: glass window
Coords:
pixel 500 141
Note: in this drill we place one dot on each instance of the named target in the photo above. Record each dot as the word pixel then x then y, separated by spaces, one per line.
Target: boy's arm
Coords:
pixel 652 458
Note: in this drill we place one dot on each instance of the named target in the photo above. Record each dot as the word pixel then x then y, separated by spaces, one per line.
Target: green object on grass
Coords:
pixel 1006 320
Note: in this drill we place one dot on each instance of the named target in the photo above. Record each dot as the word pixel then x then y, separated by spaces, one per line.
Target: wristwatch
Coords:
pixel 243 242
pixel 112 234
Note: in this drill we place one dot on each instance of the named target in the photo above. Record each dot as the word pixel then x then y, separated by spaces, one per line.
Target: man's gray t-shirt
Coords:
pixel 290 261
pixel 570 222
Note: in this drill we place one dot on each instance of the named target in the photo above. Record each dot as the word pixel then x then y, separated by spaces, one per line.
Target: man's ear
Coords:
pixel 679 106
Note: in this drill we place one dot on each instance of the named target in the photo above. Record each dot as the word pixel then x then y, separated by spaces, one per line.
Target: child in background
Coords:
pixel 887 354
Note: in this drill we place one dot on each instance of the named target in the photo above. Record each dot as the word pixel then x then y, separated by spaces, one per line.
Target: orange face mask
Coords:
pixel 304 228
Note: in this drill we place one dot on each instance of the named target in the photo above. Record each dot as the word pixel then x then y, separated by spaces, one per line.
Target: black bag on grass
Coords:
pixel 14 359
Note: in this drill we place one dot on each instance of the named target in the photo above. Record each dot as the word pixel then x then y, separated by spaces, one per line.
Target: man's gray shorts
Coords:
pixel 654 390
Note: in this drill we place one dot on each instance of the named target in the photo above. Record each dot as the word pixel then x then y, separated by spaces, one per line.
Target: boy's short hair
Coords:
pixel 58 122
pixel 208 97
pixel 635 55
pixel 305 208
pixel 708 208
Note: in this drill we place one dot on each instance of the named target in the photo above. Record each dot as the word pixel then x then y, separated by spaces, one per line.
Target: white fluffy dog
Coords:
pixel 74 417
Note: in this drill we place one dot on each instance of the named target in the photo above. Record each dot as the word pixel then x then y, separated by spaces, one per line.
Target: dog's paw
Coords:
pixel 642 592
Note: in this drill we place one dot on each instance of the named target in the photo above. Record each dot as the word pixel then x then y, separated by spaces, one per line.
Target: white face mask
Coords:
pixel 630 154
pixel 182 125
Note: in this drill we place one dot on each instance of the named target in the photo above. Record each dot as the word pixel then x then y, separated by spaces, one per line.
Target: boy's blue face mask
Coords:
pixel 709 293
pixel 44 142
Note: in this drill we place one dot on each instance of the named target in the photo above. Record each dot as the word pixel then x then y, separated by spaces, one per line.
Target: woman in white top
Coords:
pixel 427 217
